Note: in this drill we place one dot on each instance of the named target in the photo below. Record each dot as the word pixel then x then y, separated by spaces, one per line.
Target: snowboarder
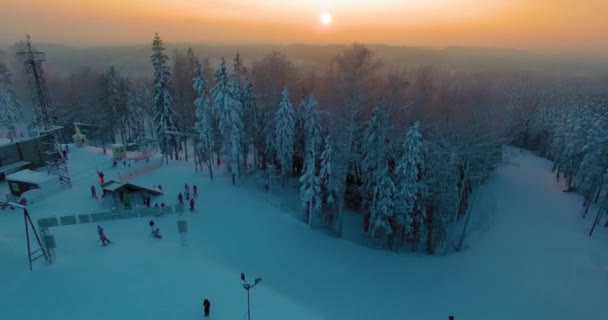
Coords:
pixel 206 307
pixel 127 203
pixel 93 192
pixel 194 191
pixel 192 204
pixel 180 198
pixel 102 236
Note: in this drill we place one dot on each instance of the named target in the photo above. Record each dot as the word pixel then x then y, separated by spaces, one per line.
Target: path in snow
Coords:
pixel 529 258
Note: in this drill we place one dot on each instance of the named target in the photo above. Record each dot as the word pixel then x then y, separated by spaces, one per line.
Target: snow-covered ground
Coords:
pixel 528 258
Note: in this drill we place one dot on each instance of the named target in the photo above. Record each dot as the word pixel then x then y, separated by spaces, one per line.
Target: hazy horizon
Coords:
pixel 558 26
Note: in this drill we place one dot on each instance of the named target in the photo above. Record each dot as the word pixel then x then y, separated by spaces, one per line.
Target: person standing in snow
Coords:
pixel 186 187
pixel 192 204
pixel 102 236
pixel 127 203
pixel 148 202
pixel 194 191
pixel 180 199
pixel 206 307
pixel 151 224
pixel 93 192
pixel 101 177
pixel 65 154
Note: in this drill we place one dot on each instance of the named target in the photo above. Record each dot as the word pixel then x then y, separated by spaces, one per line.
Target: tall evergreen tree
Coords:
pixel 250 120
pixel 204 116
pixel 409 177
pixel 332 184
pixel 228 110
pixel 374 166
pixel 310 189
pixel 165 118
pixel 284 133
pixel 9 105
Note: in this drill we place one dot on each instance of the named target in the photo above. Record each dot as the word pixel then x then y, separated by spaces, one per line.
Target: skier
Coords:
pixel 194 191
pixel 180 198
pixel 93 192
pixel 151 224
pixel 101 177
pixel 192 204
pixel 102 236
pixel 186 188
pixel 206 307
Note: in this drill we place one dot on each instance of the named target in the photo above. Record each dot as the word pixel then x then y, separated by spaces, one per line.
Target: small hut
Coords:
pixel 25 180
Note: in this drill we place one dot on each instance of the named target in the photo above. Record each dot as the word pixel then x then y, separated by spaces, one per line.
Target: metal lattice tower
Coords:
pixel 45 115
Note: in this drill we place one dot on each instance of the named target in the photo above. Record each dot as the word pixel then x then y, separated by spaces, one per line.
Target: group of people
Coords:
pixel 180 196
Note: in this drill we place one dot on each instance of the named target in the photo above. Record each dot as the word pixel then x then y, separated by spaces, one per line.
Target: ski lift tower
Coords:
pixel 45 114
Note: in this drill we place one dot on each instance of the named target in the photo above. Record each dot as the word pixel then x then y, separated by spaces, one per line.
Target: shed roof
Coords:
pixel 29 176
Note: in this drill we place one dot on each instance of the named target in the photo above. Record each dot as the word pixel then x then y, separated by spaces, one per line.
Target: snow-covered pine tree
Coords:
pixel 310 190
pixel 312 127
pixel 165 118
pixel 250 120
pixel 228 111
pixel 332 186
pixel 284 134
pixel 374 161
pixel 384 208
pixel 408 177
pixel 203 114
pixel 9 105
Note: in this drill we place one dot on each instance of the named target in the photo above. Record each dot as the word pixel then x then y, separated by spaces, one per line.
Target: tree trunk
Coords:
pixel 598 216
pixel 597 195
pixel 430 249
pixel 586 205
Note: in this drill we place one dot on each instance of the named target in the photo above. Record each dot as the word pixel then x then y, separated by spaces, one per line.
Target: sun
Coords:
pixel 325 18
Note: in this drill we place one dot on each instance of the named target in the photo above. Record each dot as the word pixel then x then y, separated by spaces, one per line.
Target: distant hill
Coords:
pixel 134 60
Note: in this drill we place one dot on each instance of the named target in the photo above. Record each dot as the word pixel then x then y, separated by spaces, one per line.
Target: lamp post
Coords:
pixel 248 286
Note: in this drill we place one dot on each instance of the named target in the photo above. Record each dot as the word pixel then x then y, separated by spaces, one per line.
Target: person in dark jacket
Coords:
pixel 102 236
pixel 93 192
pixel 180 198
pixel 206 307
pixel 194 191
pixel 192 204
pixel 151 224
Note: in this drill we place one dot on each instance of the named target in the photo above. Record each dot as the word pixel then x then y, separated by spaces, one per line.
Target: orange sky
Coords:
pixel 565 25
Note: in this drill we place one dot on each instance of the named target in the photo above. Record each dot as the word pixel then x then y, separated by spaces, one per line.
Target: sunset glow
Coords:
pixel 325 18
pixel 539 24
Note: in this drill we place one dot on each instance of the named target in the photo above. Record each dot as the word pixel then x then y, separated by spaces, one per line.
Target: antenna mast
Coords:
pixel 45 114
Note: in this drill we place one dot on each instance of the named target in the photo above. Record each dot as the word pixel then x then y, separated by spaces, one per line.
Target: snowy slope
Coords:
pixel 529 258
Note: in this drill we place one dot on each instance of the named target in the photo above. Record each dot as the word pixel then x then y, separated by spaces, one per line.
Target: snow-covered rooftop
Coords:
pixel 30 176
pixel 112 186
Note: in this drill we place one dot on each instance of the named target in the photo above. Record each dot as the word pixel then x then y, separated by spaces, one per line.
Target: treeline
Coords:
pixel 568 124
pixel 407 148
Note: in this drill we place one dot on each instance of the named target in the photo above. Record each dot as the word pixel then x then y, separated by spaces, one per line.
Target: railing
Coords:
pixel 138 212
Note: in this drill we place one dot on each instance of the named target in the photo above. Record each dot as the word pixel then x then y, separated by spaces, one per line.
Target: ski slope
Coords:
pixel 528 258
